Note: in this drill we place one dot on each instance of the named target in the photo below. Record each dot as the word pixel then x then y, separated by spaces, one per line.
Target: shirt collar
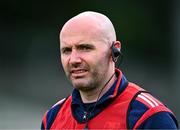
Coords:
pixel 117 87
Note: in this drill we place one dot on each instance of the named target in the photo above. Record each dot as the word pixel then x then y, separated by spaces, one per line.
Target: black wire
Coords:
pixel 86 123
pixel 101 91
pixel 118 64
pixel 86 126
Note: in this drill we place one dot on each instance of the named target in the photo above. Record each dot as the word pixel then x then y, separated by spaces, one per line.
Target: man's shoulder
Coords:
pixel 142 99
pixel 56 107
pixel 51 113
pixel 58 103
pixel 144 107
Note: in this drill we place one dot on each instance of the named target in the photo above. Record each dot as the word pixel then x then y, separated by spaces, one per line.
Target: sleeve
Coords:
pixel 161 120
pixel 149 113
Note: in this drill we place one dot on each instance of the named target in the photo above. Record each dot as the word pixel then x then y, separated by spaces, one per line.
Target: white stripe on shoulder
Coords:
pixel 146 100
pixel 59 102
pixel 147 96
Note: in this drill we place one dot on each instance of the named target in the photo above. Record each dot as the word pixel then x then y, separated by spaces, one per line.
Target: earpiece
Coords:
pixel 116 52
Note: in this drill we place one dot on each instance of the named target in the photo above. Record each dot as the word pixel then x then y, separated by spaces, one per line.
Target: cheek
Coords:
pixel 98 62
pixel 91 60
pixel 102 63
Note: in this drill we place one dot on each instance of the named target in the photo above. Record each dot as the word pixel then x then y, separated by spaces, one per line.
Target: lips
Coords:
pixel 78 72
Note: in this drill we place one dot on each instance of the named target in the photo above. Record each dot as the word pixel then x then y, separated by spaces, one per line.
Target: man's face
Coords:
pixel 85 60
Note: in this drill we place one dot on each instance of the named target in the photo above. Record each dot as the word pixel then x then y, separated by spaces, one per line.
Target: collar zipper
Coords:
pixel 85 118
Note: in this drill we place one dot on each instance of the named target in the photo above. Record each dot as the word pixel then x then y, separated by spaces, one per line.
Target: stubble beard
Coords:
pixel 89 83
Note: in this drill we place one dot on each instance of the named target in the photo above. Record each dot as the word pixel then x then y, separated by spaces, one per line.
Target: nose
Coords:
pixel 75 58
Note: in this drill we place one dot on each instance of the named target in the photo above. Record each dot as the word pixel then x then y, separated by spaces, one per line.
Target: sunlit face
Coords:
pixel 85 61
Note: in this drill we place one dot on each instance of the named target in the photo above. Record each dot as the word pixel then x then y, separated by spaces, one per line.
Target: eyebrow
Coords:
pixel 85 45
pixel 80 45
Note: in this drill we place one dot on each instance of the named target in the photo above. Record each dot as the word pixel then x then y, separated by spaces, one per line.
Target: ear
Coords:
pixel 117 44
pixel 116 50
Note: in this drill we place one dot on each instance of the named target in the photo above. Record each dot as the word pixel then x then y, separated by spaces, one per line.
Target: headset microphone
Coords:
pixel 116 52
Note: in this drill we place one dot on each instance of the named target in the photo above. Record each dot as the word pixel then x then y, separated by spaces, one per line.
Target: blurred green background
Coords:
pixel 32 78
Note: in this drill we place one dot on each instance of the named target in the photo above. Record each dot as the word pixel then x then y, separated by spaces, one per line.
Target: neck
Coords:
pixel 95 94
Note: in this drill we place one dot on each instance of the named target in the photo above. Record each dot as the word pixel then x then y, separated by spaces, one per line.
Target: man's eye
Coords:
pixel 66 51
pixel 84 48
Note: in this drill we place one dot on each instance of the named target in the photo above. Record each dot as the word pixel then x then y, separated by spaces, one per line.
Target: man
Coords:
pixel 102 97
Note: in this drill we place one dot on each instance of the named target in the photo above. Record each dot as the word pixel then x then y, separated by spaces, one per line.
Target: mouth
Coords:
pixel 78 72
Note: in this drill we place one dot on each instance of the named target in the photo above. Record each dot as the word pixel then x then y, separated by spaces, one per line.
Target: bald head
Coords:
pixel 85 45
pixel 92 24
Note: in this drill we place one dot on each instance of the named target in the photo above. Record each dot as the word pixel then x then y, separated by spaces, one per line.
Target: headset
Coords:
pixel 116 52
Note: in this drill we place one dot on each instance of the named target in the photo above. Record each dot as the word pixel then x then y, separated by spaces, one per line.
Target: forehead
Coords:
pixel 81 36
pixel 78 32
pixel 96 44
pixel 82 28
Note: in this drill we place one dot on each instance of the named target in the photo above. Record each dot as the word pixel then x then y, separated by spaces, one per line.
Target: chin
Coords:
pixel 85 89
pixel 79 85
pixel 83 86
